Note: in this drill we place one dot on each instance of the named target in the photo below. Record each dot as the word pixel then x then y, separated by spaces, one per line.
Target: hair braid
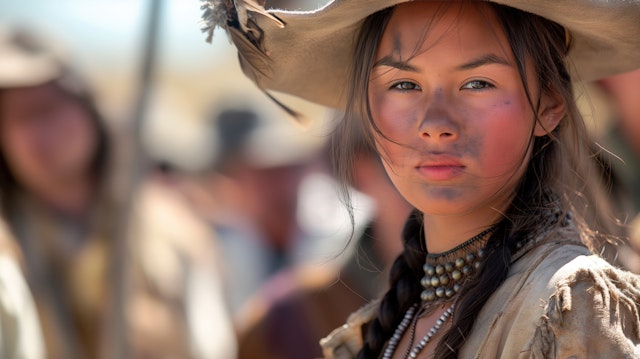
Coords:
pixel 404 290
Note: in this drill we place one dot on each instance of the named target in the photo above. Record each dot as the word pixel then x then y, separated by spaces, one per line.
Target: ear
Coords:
pixel 552 110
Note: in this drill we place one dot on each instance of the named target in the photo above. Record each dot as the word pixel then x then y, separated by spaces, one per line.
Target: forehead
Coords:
pixel 421 25
pixel 29 94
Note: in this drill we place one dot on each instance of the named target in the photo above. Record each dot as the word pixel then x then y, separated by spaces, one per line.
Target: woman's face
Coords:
pixel 46 136
pixel 449 102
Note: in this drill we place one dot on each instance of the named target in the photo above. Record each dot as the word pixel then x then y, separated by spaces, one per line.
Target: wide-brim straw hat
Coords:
pixel 309 53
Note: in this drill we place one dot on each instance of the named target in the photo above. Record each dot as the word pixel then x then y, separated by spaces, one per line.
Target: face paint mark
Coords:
pixel 446 193
pixel 397 45
pixel 469 146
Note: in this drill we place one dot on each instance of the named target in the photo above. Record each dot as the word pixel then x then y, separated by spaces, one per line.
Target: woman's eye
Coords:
pixel 405 86
pixel 477 85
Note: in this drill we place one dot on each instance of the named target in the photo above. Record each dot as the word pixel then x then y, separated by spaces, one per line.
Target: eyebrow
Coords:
pixel 487 59
pixel 398 64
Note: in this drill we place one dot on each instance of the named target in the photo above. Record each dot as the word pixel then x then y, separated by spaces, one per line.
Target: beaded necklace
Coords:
pixel 445 274
pixel 409 319
pixel 457 265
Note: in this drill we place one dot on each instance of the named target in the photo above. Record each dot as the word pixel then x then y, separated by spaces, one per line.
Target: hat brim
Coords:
pixel 311 54
pixel 17 70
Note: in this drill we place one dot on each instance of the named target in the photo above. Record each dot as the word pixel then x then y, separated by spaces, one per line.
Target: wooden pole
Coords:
pixel 118 341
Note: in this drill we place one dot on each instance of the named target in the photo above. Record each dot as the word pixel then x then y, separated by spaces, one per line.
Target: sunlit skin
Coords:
pixel 457 114
pixel 48 141
pixel 455 118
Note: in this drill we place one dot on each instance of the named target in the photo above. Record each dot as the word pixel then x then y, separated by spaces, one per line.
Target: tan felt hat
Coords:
pixel 308 54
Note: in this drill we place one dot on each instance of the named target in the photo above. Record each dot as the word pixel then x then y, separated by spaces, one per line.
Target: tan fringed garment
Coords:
pixel 559 301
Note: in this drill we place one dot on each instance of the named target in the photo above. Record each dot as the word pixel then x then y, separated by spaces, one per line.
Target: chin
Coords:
pixel 440 207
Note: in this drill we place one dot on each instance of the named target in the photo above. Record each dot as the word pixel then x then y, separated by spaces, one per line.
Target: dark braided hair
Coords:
pixel 405 273
pixel 551 174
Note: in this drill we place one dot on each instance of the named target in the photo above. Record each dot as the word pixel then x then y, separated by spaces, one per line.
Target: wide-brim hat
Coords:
pixel 256 133
pixel 28 59
pixel 309 53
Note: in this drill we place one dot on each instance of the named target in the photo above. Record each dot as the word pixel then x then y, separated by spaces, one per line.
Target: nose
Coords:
pixel 438 125
pixel 439 130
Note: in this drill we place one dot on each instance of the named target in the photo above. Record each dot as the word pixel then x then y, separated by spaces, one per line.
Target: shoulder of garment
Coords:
pixel 560 302
pixel 345 342
pixel 593 312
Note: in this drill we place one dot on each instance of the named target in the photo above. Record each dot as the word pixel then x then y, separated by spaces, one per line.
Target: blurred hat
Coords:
pixel 308 53
pixel 27 59
pixel 262 137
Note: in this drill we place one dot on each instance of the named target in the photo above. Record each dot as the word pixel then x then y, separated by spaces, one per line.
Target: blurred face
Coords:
pixel 270 197
pixel 449 102
pixel 625 89
pixel 47 137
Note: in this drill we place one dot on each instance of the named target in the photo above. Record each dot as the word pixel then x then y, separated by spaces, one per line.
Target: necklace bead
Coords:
pixel 444 279
pixel 445 273
pixel 448 267
pixel 456 275
pixel 428 269
pixel 428 295
pixel 397 334
pixel 402 328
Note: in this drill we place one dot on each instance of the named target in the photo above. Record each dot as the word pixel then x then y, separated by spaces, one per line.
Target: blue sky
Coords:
pixel 109 32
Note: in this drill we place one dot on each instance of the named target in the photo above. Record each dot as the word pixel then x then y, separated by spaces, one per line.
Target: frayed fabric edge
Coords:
pixel 615 289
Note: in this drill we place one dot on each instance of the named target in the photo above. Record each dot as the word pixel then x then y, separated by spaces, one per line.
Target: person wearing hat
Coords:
pixel 470 106
pixel 299 306
pixel 61 205
pixel 275 205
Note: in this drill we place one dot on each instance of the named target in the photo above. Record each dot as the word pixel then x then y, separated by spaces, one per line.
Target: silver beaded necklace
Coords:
pixel 445 274
pixel 409 317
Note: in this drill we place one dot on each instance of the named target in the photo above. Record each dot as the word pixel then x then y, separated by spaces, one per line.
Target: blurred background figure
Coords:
pixel 57 171
pixel 623 141
pixel 302 304
pixel 271 201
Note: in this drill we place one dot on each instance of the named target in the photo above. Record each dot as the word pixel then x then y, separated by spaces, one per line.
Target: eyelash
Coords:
pixel 485 85
pixel 405 86
pixel 400 86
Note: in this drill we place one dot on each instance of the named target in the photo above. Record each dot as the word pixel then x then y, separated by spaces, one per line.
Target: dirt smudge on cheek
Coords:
pixel 469 145
pixel 470 141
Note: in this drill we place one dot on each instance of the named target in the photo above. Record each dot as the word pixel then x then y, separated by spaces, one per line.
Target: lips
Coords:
pixel 440 168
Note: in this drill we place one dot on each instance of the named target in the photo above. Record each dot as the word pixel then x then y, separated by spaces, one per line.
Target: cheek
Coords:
pixel 19 144
pixel 395 117
pixel 508 133
pixel 21 149
pixel 76 135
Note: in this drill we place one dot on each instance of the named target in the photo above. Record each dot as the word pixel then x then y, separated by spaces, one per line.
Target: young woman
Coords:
pixel 470 106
